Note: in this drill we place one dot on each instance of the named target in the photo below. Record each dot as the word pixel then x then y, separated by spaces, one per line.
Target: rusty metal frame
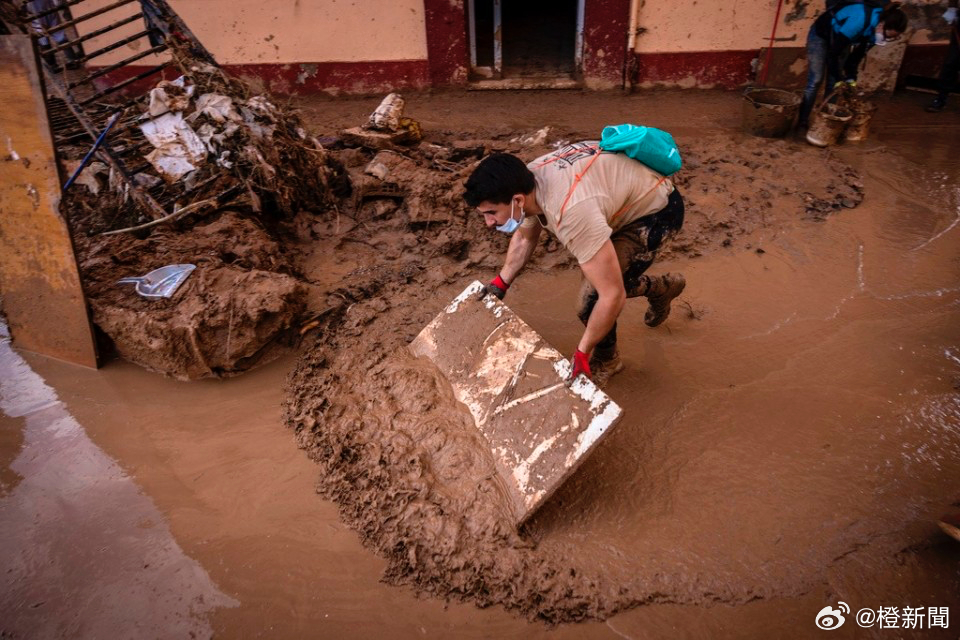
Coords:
pixel 159 18
pixel 94 34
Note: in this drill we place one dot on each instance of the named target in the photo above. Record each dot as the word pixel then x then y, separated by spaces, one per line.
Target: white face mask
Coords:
pixel 511 225
pixel 880 38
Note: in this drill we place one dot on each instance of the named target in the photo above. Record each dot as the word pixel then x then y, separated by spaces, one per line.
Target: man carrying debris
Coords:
pixel 610 211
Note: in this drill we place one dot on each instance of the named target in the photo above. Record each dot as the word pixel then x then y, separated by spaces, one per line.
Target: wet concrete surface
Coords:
pixel 85 552
pixel 793 429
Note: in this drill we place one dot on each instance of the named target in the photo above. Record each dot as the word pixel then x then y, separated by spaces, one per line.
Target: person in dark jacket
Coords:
pixel 839 39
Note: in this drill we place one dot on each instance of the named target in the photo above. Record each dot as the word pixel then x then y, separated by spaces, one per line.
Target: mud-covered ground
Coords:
pixel 395 450
pixel 789 435
pixel 403 205
pixel 361 279
pixel 232 313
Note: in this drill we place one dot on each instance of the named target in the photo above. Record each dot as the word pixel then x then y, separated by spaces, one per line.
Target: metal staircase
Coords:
pixel 83 97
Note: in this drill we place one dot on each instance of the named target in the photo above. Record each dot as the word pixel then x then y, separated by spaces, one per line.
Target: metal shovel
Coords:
pixel 162 282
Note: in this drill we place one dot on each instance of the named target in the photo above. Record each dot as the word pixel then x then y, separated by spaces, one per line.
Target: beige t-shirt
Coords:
pixel 613 190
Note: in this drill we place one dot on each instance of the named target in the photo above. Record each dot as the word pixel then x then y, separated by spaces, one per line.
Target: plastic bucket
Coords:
pixel 859 125
pixel 769 113
pixel 827 125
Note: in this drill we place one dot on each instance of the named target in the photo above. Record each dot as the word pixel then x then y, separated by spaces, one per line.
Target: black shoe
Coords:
pixel 937 105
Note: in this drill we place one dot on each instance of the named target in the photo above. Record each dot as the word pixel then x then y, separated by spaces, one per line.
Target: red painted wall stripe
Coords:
pixel 715 69
pixel 306 78
pixel 605 26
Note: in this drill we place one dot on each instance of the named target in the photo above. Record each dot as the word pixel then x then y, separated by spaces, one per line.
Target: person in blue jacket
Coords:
pixel 839 39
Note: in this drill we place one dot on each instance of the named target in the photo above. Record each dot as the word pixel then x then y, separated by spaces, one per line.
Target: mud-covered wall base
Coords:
pixel 307 78
pixel 684 70
pixel 788 66
pixel 605 43
pixel 447 41
pixel 735 69
pixel 688 70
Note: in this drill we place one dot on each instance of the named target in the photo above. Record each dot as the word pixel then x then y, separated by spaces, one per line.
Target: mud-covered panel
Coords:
pixel 881 67
pixel 538 428
pixel 42 296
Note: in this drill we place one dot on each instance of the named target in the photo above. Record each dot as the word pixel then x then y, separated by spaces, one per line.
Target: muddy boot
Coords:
pixel 604 364
pixel 661 292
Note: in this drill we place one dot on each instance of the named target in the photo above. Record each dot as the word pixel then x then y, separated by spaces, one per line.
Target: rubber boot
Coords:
pixel 660 293
pixel 604 364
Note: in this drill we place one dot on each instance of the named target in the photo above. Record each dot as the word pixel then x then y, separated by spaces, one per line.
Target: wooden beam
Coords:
pixel 39 278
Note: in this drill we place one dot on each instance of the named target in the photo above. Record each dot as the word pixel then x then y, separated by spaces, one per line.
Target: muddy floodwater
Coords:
pixel 790 435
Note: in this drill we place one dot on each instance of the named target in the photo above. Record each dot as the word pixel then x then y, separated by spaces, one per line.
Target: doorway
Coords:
pixel 525 39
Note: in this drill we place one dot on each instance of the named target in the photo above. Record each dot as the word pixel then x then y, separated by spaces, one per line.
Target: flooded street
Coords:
pixel 814 378
pixel 791 436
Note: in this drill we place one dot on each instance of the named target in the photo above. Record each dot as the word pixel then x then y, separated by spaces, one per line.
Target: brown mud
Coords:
pixel 789 437
pixel 399 455
pixel 252 169
pixel 242 305
pixel 229 315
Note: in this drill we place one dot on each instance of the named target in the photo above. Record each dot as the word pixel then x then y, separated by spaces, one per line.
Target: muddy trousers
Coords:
pixel 817 69
pixel 636 245
pixel 950 70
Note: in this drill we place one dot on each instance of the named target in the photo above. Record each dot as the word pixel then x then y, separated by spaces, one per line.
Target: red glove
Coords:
pixel 581 364
pixel 497 287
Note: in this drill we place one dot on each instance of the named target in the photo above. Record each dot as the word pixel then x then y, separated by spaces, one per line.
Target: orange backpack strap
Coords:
pixel 630 204
pixel 576 182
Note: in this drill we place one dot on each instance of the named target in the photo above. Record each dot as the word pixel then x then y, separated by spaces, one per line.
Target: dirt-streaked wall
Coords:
pixel 725 25
pixel 717 25
pixel 302 46
pixel 715 43
pixel 289 31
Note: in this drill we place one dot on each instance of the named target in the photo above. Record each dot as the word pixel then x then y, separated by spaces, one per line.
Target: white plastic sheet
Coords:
pixel 164 99
pixel 217 107
pixel 178 150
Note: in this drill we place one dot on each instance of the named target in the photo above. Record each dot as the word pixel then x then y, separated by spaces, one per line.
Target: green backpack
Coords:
pixel 652 147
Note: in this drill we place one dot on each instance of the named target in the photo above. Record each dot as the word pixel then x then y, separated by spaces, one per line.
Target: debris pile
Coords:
pixel 387 127
pixel 208 143
pixel 231 172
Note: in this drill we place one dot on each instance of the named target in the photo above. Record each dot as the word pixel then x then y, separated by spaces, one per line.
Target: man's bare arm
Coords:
pixel 522 245
pixel 603 272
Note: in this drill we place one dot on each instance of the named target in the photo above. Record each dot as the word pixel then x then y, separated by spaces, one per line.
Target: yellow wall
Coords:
pixel 724 25
pixel 707 25
pixel 284 31
pixel 308 31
